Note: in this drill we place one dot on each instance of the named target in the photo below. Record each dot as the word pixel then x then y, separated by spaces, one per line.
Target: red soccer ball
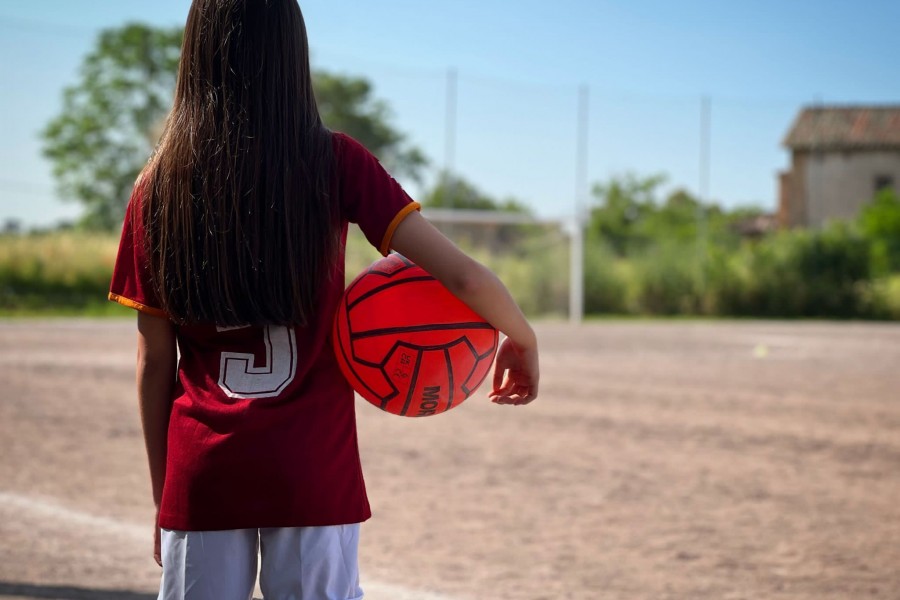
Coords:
pixel 406 344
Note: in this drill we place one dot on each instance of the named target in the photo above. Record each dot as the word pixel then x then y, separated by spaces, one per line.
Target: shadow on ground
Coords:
pixel 64 592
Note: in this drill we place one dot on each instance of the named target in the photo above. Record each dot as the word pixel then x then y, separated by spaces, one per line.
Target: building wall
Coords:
pixel 838 184
pixel 795 198
pixel 783 216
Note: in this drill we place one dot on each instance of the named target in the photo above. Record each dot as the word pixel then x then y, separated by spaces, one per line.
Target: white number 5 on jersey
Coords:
pixel 240 378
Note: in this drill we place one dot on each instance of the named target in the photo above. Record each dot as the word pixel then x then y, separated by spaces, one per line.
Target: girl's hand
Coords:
pixel 157 554
pixel 520 367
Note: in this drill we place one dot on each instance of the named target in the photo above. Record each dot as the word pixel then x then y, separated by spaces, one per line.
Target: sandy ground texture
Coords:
pixel 676 460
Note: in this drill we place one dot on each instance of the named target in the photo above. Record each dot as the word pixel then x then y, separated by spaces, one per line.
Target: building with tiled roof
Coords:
pixel 840 158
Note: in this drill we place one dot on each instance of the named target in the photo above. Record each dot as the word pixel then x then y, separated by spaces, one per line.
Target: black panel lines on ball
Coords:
pixel 368 363
pixel 412 384
pixel 389 354
pixel 350 363
pixel 371 270
pixel 418 328
pixel 450 378
pixel 353 285
pixel 483 357
pixel 492 350
pixel 472 348
pixel 382 367
pixel 480 381
pixel 474 352
pixel 416 348
pixel 391 284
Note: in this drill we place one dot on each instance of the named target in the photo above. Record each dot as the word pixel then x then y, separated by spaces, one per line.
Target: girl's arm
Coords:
pixel 473 283
pixel 156 363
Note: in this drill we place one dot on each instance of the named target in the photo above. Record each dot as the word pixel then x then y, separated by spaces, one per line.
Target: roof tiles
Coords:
pixel 846 128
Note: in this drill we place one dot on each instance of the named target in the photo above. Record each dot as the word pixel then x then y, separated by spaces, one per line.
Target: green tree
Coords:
pixel 111 119
pixel 499 239
pixel 808 273
pixel 629 217
pixel 624 204
pixel 101 139
pixel 879 221
pixel 681 218
pixel 456 192
pixel 346 104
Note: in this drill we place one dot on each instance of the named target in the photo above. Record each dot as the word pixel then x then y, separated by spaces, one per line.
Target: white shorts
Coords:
pixel 298 563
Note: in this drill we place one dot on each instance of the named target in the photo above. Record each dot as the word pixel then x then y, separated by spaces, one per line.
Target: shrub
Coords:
pixel 667 281
pixel 605 284
pixel 884 294
pixel 805 273
pixel 48 272
pixel 879 222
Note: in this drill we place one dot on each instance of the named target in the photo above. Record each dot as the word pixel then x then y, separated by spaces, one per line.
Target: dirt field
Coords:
pixel 662 461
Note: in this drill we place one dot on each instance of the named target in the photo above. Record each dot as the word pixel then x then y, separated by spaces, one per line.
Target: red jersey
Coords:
pixel 262 431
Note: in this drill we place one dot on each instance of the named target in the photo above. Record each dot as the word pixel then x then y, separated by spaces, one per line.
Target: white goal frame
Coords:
pixel 572 227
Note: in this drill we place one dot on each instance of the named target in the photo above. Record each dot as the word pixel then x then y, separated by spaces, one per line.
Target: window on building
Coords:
pixel 883 182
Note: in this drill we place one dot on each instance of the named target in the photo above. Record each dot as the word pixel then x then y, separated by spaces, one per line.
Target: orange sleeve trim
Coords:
pixel 138 306
pixel 395 222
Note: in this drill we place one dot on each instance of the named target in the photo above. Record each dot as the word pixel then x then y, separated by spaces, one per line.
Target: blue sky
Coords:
pixel 519 64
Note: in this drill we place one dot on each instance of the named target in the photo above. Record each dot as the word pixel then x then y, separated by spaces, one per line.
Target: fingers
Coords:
pixel 499 372
pixel 515 377
pixel 513 399
pixel 518 395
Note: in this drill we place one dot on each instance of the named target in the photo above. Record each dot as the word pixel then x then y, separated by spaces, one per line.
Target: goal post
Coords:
pixel 572 229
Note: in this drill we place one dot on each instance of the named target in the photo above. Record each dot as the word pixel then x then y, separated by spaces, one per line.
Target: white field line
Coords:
pixel 40 507
pixel 71 358
pixel 48 509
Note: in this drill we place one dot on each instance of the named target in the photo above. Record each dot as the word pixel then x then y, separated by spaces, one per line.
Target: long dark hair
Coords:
pixel 240 222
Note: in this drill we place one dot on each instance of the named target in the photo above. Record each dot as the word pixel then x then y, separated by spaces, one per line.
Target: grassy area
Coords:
pixel 67 274
pixel 822 275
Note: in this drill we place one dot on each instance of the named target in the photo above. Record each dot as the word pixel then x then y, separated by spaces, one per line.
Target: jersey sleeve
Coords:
pixel 130 285
pixel 370 197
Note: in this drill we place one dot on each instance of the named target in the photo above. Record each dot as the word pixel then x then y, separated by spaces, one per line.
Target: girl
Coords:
pixel 232 249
